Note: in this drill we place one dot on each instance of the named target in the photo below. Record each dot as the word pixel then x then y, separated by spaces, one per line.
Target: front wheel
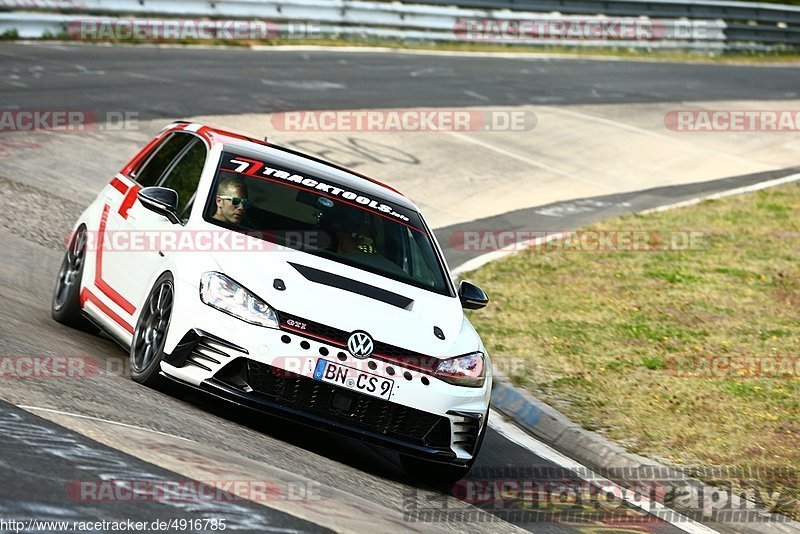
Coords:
pixel 150 335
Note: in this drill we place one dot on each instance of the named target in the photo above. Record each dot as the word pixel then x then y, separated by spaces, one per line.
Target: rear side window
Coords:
pixel 184 175
pixel 152 170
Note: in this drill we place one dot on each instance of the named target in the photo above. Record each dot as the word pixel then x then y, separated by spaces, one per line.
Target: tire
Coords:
pixel 66 304
pixel 150 334
pixel 439 475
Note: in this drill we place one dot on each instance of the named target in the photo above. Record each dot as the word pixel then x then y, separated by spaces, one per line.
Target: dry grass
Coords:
pixel 739 57
pixel 597 334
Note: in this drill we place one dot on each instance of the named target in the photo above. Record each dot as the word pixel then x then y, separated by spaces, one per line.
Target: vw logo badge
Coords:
pixel 360 344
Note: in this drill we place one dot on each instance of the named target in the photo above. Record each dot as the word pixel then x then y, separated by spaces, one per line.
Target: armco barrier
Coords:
pixel 753 21
pixel 724 24
pixel 352 18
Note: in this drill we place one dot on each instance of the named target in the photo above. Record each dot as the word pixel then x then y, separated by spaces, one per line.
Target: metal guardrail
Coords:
pixel 703 24
pixel 747 22
pixel 38 25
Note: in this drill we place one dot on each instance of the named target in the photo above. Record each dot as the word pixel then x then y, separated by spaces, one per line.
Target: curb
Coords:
pixel 597 452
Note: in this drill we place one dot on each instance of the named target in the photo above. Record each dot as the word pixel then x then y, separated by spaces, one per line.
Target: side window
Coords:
pixel 152 170
pixel 184 175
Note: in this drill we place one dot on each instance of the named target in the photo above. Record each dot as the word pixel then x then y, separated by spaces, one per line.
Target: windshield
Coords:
pixel 325 219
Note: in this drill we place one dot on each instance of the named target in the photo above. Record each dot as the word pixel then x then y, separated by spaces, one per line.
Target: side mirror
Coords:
pixel 472 297
pixel 160 200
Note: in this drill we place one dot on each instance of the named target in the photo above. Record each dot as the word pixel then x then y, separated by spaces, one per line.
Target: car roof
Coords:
pixel 297 161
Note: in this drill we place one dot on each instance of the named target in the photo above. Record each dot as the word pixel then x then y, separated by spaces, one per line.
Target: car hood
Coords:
pixel 335 296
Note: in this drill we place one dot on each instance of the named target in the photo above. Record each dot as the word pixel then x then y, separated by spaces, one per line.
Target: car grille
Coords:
pixel 381 351
pixel 351 408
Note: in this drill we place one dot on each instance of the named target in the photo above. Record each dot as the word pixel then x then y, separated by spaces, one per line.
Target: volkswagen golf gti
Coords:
pixel 286 284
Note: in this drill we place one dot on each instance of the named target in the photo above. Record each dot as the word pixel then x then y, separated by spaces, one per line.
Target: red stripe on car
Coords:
pixel 119 185
pixel 87 295
pixel 101 284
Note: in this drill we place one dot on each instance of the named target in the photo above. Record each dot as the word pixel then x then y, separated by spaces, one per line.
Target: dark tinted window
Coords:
pixel 149 174
pixel 330 220
pixel 184 176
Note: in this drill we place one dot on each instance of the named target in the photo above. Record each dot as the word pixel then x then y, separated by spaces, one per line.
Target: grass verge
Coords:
pixel 754 57
pixel 689 356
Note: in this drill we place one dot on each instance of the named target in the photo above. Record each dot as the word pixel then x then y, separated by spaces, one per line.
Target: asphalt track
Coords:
pixel 169 83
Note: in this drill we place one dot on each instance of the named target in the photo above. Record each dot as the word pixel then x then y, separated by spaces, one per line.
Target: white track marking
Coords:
pixel 529 161
pixel 616 124
pixel 479 96
pixel 146 77
pixel 305 85
pixel 483 259
pixel 731 192
pixel 642 131
pixel 426 70
pixel 100 420
pixel 516 435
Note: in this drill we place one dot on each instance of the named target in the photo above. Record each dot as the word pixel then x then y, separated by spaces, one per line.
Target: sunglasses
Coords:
pixel 236 200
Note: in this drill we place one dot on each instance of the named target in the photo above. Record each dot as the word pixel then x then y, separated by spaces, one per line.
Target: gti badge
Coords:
pixel 360 344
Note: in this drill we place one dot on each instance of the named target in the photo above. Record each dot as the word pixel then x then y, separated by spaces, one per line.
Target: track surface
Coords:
pixel 168 83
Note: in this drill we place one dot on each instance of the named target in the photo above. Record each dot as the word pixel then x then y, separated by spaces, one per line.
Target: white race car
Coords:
pixel 287 284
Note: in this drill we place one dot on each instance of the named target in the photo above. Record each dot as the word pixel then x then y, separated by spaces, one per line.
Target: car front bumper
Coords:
pixel 271 370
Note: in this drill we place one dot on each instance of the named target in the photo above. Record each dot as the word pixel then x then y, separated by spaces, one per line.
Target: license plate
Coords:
pixel 350 378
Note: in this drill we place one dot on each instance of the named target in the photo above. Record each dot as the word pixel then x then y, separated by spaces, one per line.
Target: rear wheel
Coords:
pixel 66 305
pixel 150 335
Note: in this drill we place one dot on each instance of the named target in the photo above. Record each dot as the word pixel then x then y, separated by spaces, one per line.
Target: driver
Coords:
pixel 232 201
pixel 354 234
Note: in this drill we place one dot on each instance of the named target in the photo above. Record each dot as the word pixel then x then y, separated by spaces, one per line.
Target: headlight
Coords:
pixel 222 293
pixel 469 370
